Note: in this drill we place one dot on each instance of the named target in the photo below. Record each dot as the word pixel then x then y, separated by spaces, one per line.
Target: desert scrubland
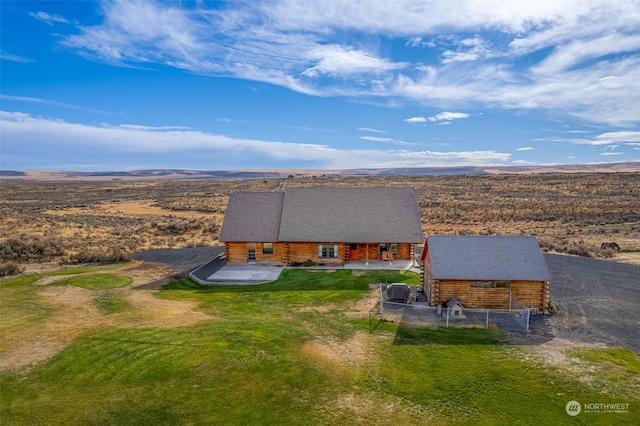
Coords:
pixel 107 220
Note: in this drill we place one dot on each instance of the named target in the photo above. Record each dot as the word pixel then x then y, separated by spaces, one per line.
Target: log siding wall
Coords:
pixel 533 294
pixel 288 253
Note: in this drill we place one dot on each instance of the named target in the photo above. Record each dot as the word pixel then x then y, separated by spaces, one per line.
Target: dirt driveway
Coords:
pixel 599 301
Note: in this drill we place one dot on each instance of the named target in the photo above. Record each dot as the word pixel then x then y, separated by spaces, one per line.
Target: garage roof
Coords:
pixel 477 257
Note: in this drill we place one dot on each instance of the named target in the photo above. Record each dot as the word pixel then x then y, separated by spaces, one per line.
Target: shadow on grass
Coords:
pixel 409 332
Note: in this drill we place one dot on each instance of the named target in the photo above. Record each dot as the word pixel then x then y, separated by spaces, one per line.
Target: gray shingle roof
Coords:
pixel 252 216
pixel 358 215
pixel 325 214
pixel 487 258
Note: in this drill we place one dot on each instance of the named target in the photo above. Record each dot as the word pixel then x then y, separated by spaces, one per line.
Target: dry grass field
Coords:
pixel 88 221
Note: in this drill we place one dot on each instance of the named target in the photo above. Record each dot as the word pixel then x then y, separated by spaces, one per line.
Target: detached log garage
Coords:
pixel 323 225
pixel 485 271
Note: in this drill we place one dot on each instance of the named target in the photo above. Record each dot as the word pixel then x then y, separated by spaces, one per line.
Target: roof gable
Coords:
pixel 252 216
pixel 486 258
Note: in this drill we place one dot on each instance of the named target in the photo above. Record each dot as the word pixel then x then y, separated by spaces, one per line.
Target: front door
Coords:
pixel 251 252
pixel 353 252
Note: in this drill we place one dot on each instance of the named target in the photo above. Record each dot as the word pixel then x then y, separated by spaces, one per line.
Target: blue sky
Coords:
pixel 280 84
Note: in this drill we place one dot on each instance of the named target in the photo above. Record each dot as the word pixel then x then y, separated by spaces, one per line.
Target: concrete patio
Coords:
pixel 253 273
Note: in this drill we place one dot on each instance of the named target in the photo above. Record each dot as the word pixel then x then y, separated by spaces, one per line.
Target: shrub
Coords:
pixel 9 268
pixel 580 249
pixel 114 256
pixel 607 253
pixel 27 247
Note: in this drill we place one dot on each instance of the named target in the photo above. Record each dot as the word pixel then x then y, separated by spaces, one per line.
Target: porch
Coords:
pixel 252 273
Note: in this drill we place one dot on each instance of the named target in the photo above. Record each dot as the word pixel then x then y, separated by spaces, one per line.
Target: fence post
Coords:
pixel 486 325
pixel 527 326
pixel 381 303
pixel 447 317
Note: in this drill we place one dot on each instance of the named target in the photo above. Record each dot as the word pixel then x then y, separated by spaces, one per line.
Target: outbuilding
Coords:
pixel 490 272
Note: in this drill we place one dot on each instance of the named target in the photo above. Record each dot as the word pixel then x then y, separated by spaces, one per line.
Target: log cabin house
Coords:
pixel 487 272
pixel 321 225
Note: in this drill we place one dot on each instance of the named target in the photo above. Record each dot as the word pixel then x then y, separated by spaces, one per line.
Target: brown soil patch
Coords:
pixel 76 314
pixel 554 351
pixel 40 268
pixel 354 309
pixel 361 307
pixel 354 352
pixel 372 409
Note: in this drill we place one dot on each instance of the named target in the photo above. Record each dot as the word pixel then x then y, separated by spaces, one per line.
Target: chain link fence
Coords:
pixel 414 309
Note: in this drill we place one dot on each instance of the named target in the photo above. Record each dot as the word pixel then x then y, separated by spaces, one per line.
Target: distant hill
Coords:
pixel 178 174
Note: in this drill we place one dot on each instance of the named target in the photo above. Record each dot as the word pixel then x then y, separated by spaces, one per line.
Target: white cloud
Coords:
pixel 468 49
pixel 138 141
pixel 448 116
pixel 616 138
pixel 385 140
pixel 369 129
pixel 585 64
pixel 525 148
pixel 50 102
pixel 610 140
pixel 48 19
pixel 415 120
pixel 611 153
pixel 14 58
pixel 232 120
pixel 341 61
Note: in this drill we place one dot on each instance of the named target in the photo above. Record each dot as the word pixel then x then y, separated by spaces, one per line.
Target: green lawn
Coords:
pixel 96 281
pixel 260 360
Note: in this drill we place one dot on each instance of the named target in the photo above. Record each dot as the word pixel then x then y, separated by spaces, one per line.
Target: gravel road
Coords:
pixel 599 300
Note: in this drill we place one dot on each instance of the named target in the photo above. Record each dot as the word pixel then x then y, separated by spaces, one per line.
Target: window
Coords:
pixel 383 248
pixel 328 251
pixel 394 248
pixel 267 248
pixel 490 284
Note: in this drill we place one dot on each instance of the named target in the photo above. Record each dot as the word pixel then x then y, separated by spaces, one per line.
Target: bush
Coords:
pixel 9 268
pixel 607 253
pixel 552 307
pixel 113 256
pixel 27 247
pixel 580 249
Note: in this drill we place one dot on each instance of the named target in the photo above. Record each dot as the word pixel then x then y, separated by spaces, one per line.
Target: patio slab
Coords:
pixel 247 272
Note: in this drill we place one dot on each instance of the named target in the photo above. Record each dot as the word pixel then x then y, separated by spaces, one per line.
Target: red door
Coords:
pixel 353 252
